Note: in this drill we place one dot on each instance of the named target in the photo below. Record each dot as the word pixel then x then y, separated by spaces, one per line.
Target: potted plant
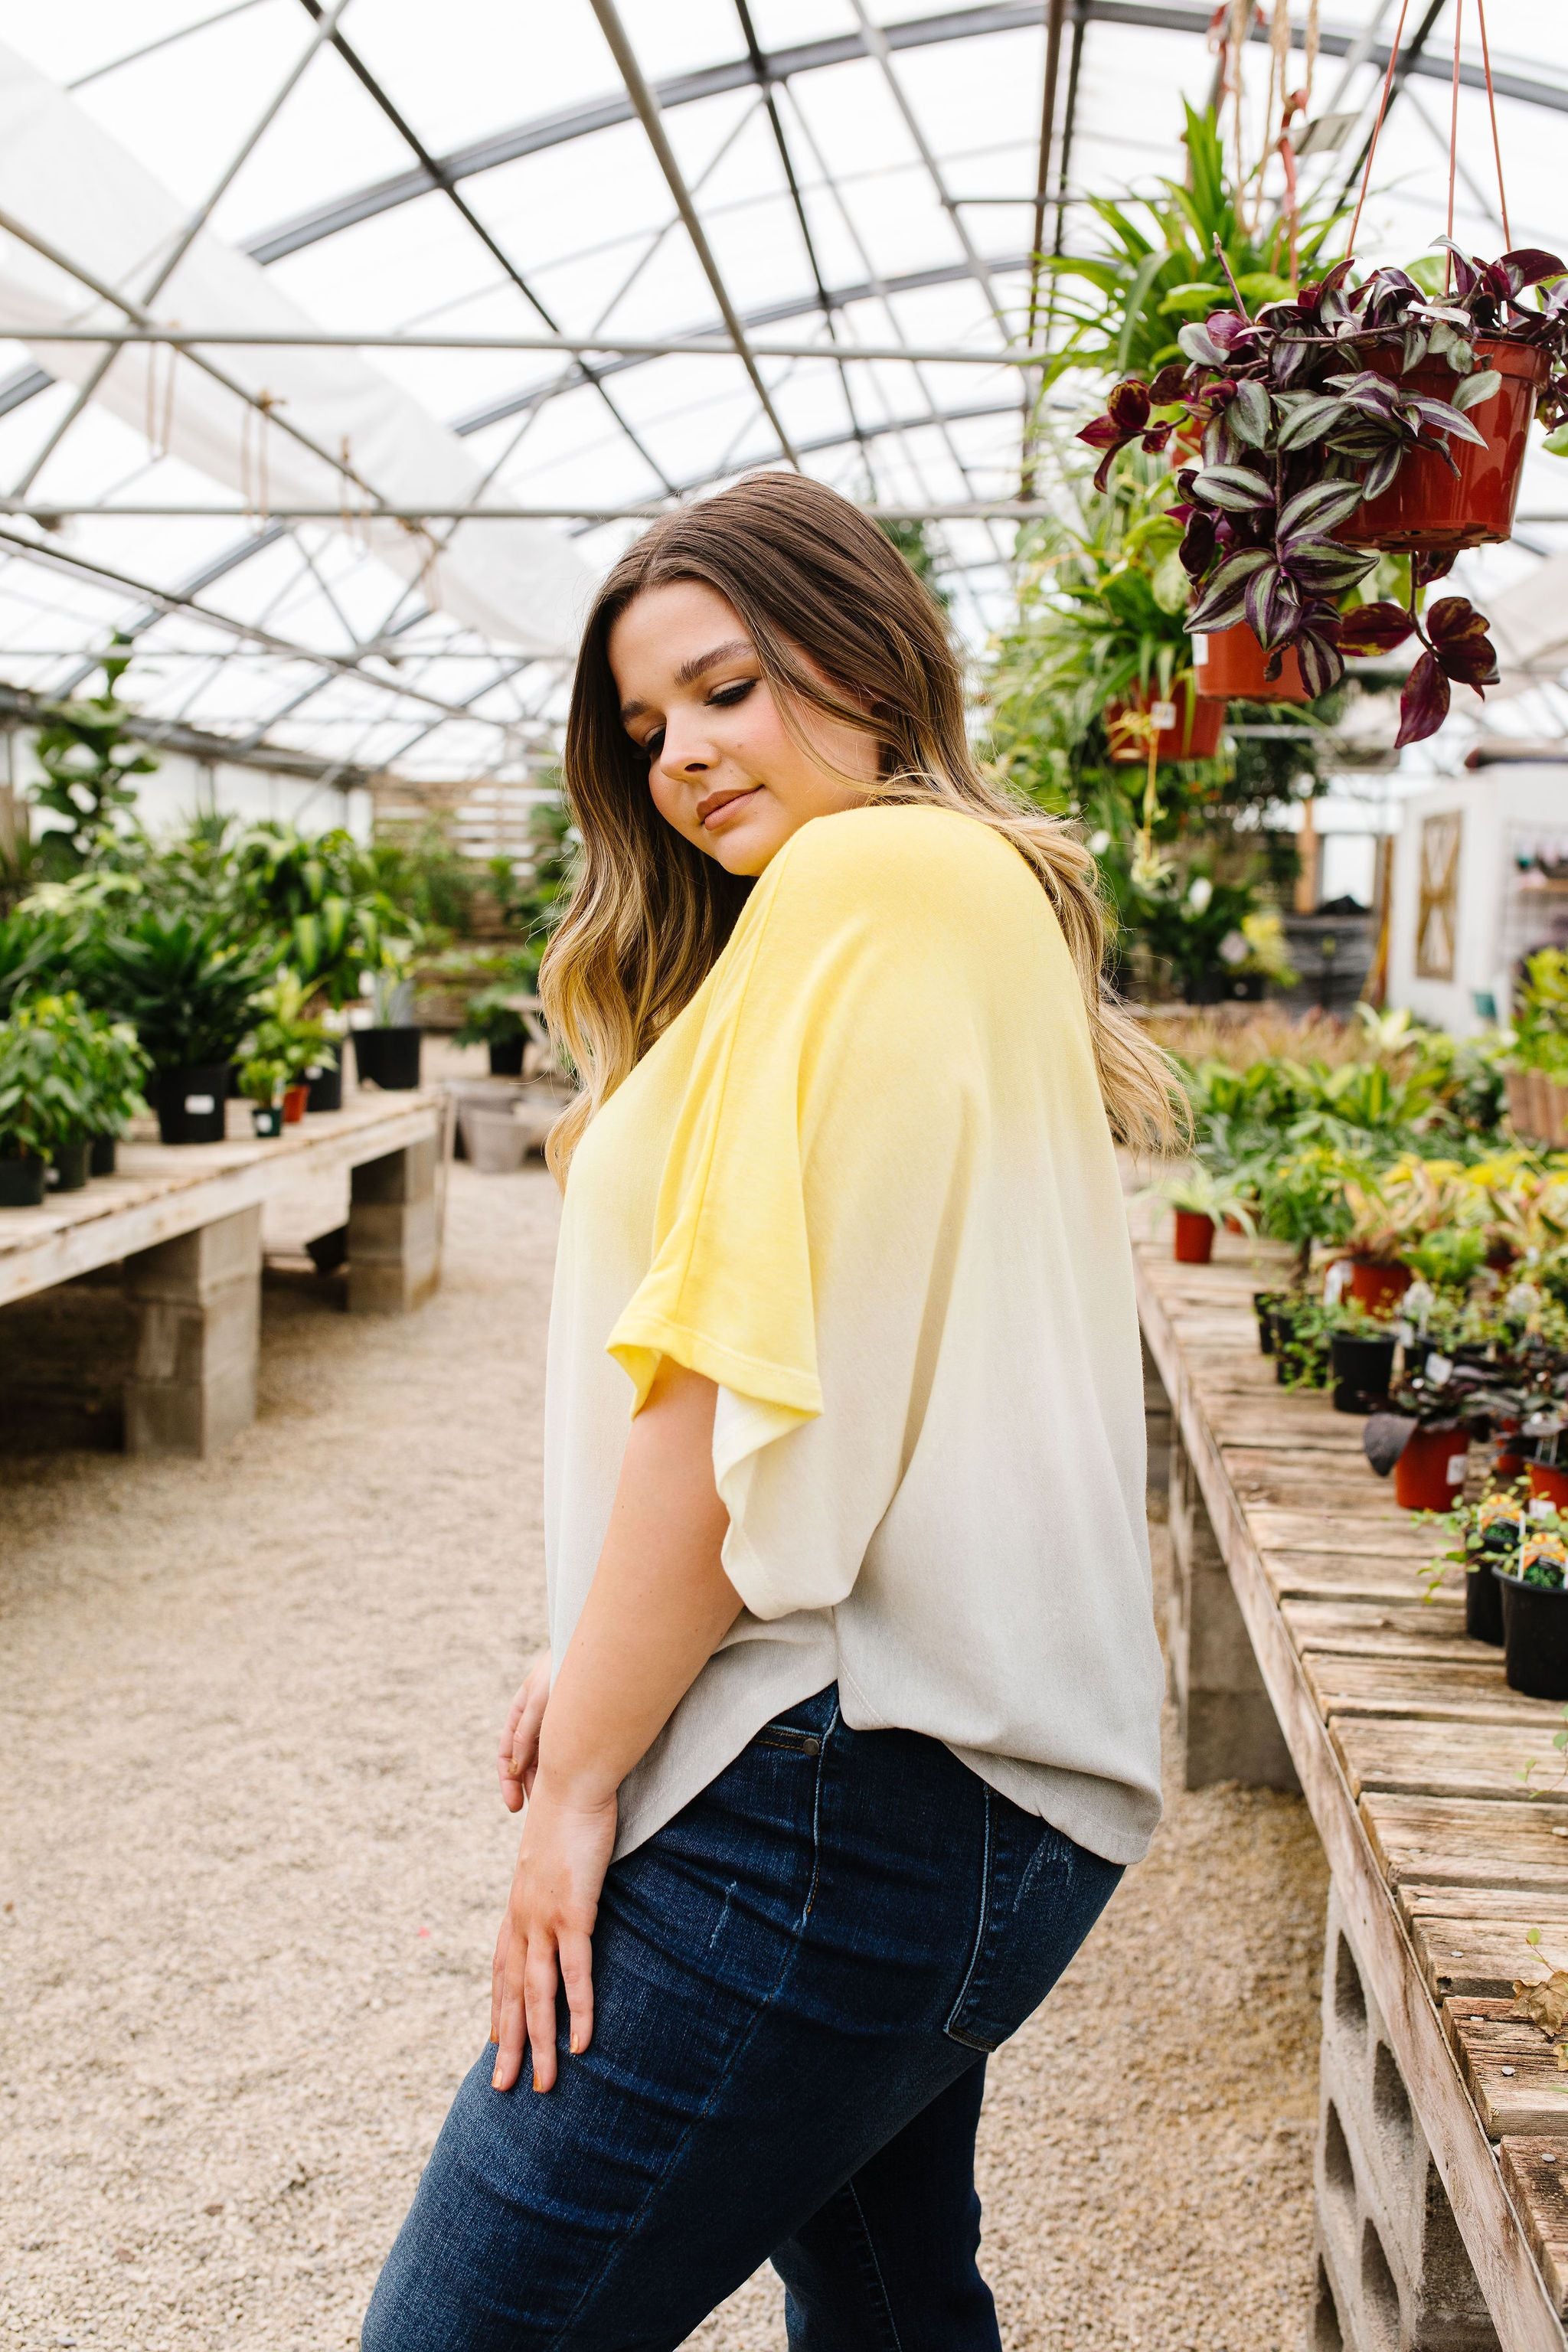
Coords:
pixel 1230 664
pixel 494 1018
pixel 262 1079
pixel 187 983
pixel 287 1035
pixel 327 894
pixel 1535 1611
pixel 119 1071
pixel 27 1130
pixel 1201 1201
pixel 1310 412
pixel 1361 1358
pixel 386 1054
pixel 1485 1537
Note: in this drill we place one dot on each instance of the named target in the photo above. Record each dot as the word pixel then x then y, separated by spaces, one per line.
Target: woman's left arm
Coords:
pixel 659 1607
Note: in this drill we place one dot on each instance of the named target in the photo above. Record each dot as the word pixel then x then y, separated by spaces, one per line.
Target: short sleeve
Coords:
pixel 805 1198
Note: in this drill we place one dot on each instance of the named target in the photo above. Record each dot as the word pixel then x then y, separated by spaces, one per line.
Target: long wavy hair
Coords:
pixel 809 575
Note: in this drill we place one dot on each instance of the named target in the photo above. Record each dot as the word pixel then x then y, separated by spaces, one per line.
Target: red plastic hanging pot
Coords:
pixel 1548 1483
pixel 1194 1237
pixel 1194 736
pixel 1429 1476
pixel 1428 508
pixel 1376 1288
pixel 1230 664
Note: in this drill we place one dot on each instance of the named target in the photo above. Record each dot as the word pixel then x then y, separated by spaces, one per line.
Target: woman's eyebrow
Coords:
pixel 693 669
pixel 690 671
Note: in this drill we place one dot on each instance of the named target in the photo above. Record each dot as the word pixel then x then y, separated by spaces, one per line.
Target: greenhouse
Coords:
pixel 784 1004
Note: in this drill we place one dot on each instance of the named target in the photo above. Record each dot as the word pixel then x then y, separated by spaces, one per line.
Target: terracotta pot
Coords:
pixel 1429 507
pixel 1429 1476
pixel 294 1101
pixel 1548 1482
pixel 1194 736
pixel 1376 1288
pixel 1230 664
pixel 1194 1238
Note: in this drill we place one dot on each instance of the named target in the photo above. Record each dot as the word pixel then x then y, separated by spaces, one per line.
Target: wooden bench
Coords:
pixel 186 1223
pixel 1302 1651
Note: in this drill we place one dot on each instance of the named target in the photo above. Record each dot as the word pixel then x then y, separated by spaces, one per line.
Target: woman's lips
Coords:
pixel 713 814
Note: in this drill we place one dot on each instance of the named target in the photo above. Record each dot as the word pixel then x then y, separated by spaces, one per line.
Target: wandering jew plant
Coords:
pixel 1306 411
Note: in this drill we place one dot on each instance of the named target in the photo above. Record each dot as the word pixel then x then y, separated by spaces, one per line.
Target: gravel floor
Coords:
pixel 251 1861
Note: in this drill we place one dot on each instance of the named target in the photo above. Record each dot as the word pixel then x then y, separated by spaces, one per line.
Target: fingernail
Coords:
pixel 575 2046
pixel 495 2079
pixel 537 2084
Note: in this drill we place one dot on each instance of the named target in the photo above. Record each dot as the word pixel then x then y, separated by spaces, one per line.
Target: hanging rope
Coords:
pixel 255 488
pixel 1377 126
pixel 161 427
pixel 1497 142
pixel 1310 51
pixel 1453 143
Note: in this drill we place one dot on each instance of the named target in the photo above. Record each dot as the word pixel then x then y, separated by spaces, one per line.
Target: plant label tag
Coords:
pixel 1164 715
pixel 197 1105
pixel 1438 1368
pixel 1540 1507
pixel 1454 1470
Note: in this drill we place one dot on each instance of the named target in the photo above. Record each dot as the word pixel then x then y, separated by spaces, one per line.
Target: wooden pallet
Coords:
pixel 1409 1746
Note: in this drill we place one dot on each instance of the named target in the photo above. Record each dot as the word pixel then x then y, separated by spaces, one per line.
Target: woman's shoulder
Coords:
pixel 903 860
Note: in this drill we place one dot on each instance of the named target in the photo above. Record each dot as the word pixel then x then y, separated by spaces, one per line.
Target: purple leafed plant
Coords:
pixel 1304 412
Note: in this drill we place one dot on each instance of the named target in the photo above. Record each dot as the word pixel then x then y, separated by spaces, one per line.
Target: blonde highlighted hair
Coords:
pixel 810 575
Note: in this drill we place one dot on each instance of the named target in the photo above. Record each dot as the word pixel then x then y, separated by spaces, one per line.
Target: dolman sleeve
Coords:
pixel 801 1212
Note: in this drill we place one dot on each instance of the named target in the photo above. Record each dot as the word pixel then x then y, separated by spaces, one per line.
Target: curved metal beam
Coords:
pixel 546 130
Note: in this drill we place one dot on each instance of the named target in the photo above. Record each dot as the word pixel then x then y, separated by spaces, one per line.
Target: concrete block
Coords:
pixel 1392 2275
pixel 1157 1430
pixel 393 1247
pixel 197 1302
pixel 1230 1730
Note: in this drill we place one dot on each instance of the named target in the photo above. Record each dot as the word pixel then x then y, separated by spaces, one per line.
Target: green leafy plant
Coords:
pixel 286 1035
pixel 1158 265
pixel 187 983
pixel 65 1075
pixel 263 1077
pixel 86 755
pixel 1200 1191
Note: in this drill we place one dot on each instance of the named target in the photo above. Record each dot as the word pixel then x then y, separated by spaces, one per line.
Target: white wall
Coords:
pixel 184 788
pixel 1503 808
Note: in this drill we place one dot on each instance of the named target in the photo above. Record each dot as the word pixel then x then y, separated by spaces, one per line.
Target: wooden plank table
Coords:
pixel 186 1223
pixel 1408 1746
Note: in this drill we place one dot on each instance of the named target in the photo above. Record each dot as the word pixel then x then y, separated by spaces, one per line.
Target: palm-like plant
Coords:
pixel 186 983
pixel 1124 305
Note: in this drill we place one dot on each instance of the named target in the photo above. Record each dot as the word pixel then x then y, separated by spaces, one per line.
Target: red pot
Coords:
pixel 1428 506
pixel 1230 668
pixel 1429 1476
pixel 1194 1238
pixel 1194 736
pixel 1548 1482
pixel 1376 1288
pixel 294 1101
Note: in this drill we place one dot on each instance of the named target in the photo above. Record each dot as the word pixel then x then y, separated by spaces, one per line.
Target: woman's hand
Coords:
pixel 517 1758
pixel 546 1937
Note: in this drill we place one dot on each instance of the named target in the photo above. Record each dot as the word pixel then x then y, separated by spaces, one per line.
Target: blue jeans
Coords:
pixel 796 1981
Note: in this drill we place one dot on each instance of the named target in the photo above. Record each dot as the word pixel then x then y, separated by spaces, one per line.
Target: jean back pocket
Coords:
pixel 1041 1894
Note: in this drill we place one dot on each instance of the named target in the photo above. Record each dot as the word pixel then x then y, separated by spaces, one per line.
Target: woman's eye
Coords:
pixel 652 744
pixel 736 693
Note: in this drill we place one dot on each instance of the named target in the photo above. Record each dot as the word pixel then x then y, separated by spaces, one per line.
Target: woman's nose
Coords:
pixel 685 753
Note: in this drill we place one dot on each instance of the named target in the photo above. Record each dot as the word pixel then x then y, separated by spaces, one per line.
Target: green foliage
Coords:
pixel 64 1073
pixel 286 1037
pixel 328 895
pixel 912 541
pixel 186 983
pixel 86 755
pixel 1540 1040
pixel 1156 267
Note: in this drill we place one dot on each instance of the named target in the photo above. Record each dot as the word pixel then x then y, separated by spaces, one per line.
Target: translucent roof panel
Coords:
pixel 296 536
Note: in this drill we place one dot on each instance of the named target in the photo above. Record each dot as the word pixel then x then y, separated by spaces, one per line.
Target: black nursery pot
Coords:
pixel 326 1086
pixel 1483 1602
pixel 22 1183
pixel 189 1103
pixel 1265 1306
pixel 102 1159
pixel 1362 1370
pixel 506 1057
pixel 71 1166
pixel 388 1058
pixel 1534 1637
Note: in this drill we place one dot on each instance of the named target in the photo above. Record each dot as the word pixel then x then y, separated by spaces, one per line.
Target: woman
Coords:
pixel 854 1717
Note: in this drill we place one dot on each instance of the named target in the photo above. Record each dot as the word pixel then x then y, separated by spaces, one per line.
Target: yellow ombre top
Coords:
pixel 865 1183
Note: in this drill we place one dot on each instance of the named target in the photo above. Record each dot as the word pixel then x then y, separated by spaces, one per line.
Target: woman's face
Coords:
pixel 723 768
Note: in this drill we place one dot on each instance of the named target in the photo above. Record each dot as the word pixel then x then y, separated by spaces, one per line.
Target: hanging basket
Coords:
pixel 1430 509
pixel 1196 734
pixel 1230 664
